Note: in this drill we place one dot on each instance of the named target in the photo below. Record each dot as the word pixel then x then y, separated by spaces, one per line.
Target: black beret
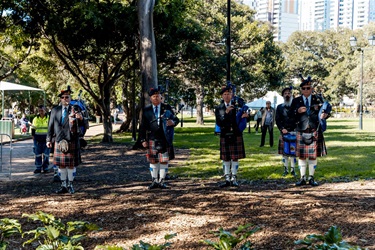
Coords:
pixel 306 81
pixel 67 91
pixel 154 91
pixel 285 89
pixel 225 89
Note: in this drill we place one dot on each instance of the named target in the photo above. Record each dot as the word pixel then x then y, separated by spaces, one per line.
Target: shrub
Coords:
pixel 329 241
pixel 55 235
pixel 227 241
pixel 8 227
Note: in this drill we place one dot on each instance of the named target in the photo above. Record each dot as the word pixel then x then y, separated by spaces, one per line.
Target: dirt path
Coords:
pixel 112 192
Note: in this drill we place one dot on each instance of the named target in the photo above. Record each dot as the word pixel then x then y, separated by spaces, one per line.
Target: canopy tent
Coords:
pixel 272 96
pixel 6 86
pixel 257 104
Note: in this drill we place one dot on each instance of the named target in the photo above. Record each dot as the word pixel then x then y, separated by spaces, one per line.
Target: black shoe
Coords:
pixel 312 182
pixel 56 178
pixel 71 189
pixel 37 171
pixel 163 186
pixel 225 184
pixel 233 181
pixel 301 182
pixel 46 170
pixel 62 190
pixel 293 172
pixel 285 172
pixel 153 185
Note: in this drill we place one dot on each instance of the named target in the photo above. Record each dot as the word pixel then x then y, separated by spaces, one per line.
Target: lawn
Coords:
pixel 350 152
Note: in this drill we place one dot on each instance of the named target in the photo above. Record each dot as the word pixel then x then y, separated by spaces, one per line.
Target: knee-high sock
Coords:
pixel 163 171
pixel 154 169
pixel 234 167
pixel 71 173
pixel 286 161
pixel 312 166
pixel 226 167
pixel 293 162
pixel 63 173
pixel 302 167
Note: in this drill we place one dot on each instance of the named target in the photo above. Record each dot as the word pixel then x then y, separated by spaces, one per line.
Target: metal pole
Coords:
pixel 361 95
pixel 228 42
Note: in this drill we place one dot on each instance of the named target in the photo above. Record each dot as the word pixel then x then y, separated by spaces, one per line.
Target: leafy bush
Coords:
pixel 8 227
pixel 227 241
pixel 329 241
pixel 54 235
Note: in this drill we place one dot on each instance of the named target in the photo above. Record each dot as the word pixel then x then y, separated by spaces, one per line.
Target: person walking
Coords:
pixel 63 126
pixel 310 140
pixel 157 134
pixel 39 129
pixel 286 126
pixel 268 121
pixel 231 140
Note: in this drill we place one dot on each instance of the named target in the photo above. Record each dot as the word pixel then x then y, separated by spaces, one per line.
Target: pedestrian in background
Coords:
pixel 39 129
pixel 268 122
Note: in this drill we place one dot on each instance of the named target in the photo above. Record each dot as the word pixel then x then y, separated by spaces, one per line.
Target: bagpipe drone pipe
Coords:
pixel 79 105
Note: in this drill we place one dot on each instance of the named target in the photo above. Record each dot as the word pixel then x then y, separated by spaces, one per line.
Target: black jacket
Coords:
pixel 305 120
pixel 283 120
pixel 226 122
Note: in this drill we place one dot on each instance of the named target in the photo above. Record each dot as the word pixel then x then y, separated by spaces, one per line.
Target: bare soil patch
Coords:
pixel 111 191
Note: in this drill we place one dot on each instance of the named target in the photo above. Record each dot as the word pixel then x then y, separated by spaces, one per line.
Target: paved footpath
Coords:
pixel 23 156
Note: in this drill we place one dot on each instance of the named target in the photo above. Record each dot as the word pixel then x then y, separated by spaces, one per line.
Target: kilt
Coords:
pixel 153 156
pixel 321 147
pixel 232 150
pixel 70 159
pixel 305 151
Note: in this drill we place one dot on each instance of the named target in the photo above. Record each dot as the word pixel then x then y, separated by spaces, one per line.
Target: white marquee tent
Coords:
pixel 272 96
pixel 7 86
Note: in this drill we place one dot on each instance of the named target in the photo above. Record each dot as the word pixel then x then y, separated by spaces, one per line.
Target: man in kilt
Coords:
pixel 310 141
pixel 63 129
pixel 156 134
pixel 231 141
pixel 286 125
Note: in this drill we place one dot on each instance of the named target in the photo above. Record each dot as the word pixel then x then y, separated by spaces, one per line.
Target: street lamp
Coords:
pixel 353 44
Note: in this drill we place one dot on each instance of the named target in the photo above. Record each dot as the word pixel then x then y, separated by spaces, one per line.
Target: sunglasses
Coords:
pixel 305 88
pixel 65 97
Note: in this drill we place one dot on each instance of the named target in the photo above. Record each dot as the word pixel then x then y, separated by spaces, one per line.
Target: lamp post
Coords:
pixel 353 44
pixel 228 42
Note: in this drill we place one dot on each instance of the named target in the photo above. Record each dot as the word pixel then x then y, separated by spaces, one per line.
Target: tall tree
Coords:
pixel 91 38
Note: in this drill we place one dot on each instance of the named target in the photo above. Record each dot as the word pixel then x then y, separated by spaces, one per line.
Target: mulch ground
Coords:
pixel 111 191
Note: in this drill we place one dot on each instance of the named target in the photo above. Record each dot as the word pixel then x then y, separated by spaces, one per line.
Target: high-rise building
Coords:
pixel 282 14
pixel 288 16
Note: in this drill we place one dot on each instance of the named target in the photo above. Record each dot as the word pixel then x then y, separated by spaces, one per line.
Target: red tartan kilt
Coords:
pixel 153 156
pixel 306 151
pixel 232 151
pixel 70 159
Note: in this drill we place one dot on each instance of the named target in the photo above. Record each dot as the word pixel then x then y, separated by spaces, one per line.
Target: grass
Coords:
pixel 350 152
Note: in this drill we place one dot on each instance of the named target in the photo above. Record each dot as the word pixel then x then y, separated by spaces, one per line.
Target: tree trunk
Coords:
pixel 200 98
pixel 147 47
pixel 106 111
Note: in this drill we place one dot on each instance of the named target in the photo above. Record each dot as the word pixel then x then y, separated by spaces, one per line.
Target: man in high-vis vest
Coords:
pixel 39 132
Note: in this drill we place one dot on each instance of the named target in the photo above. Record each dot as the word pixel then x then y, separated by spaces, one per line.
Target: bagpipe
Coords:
pixel 325 108
pixel 239 107
pixel 79 105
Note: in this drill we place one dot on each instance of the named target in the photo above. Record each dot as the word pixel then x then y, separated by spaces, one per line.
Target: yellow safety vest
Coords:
pixel 40 125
